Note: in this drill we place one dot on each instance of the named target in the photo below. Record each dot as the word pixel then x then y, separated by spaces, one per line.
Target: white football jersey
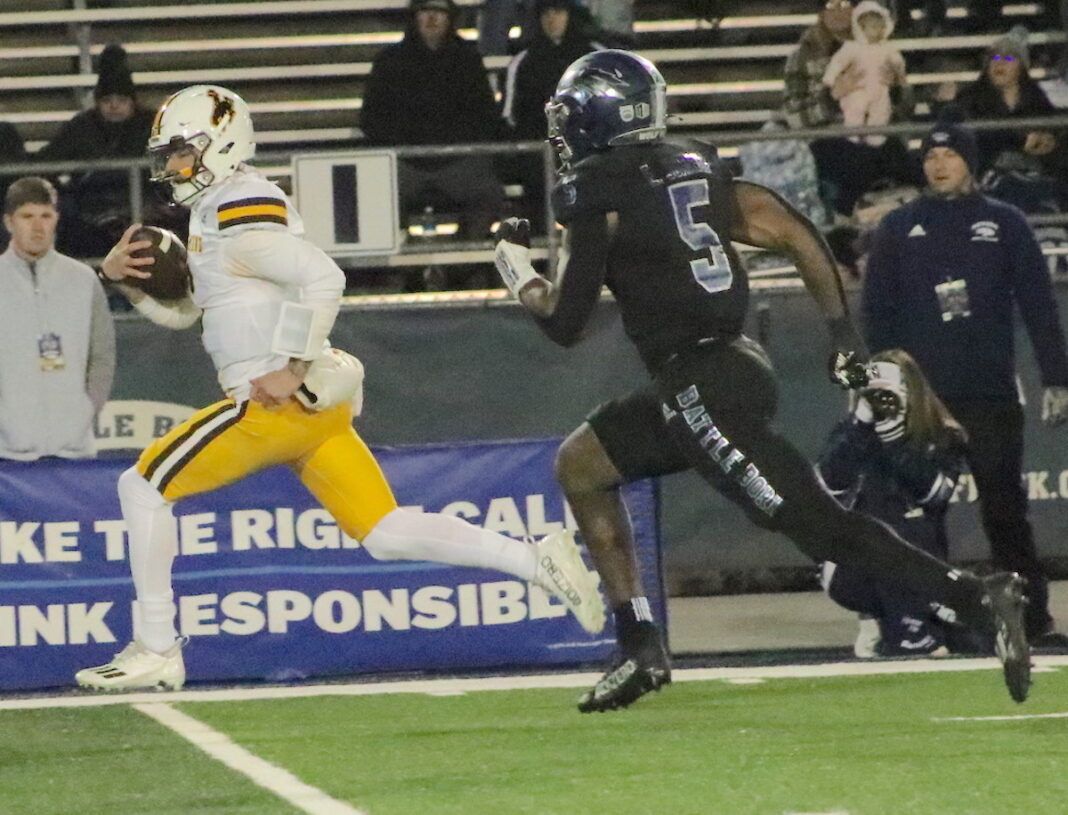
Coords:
pixel 240 307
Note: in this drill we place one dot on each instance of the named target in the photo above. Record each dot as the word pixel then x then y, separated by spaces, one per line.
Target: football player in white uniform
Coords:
pixel 268 299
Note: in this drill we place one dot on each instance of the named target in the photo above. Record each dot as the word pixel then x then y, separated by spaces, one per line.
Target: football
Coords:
pixel 171 279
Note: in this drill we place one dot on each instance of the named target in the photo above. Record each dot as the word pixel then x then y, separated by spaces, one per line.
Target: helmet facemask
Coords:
pixel 556 113
pixel 186 183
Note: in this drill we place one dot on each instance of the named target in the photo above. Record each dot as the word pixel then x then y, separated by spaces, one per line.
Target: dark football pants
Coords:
pixel 711 410
pixel 995 458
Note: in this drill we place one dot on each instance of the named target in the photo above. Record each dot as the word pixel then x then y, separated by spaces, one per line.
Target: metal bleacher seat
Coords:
pixel 301 64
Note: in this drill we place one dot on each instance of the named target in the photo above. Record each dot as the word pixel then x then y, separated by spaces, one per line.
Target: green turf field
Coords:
pixel 857 745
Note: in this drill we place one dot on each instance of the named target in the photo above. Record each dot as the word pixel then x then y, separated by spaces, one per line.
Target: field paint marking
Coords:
pixel 262 773
pixel 533 682
pixel 1017 718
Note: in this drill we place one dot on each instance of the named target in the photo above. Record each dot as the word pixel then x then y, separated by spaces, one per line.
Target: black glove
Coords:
pixel 848 355
pixel 513 230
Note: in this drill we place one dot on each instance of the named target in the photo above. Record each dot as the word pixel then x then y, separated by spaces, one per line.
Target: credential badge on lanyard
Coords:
pixel 50 352
pixel 953 299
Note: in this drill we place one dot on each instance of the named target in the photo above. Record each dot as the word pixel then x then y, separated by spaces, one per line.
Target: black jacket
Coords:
pixel 985 248
pixel 899 483
pixel 418 96
pixel 532 77
pixel 87 136
pixel 981 100
pixel 11 146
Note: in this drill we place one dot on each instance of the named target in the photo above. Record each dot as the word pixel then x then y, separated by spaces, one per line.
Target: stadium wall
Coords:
pixel 485 372
pixel 268 587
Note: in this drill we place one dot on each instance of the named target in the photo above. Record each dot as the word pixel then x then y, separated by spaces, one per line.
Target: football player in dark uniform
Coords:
pixel 653 219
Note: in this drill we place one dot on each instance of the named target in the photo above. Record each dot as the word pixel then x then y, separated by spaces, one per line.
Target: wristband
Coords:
pixel 513 265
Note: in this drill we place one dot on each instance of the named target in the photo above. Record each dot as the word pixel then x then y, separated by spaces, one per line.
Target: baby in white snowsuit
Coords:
pixel 870 55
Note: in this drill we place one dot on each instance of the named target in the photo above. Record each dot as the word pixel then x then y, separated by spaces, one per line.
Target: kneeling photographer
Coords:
pixel 896 457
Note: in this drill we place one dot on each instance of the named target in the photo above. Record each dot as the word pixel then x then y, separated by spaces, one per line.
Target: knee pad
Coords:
pixel 391 538
pixel 133 487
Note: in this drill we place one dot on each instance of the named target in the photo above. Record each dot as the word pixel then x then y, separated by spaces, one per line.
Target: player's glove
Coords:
pixel 511 255
pixel 1054 406
pixel 333 378
pixel 846 366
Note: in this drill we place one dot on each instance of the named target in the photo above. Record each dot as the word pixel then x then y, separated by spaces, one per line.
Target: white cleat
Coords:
pixel 135 667
pixel 563 574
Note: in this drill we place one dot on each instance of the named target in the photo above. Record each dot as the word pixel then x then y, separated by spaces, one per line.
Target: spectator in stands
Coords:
pixel 879 66
pixel 1005 90
pixel 431 89
pixel 786 166
pixel 12 150
pixel 56 335
pixel 846 169
pixel 533 73
pixel 495 21
pixel 934 17
pixel 943 276
pixel 95 204
pixel 531 81
pixel 806 102
pixel 897 458
pixel 614 21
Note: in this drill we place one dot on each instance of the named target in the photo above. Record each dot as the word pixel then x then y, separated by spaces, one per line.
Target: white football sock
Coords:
pixel 153 543
pixel 408 535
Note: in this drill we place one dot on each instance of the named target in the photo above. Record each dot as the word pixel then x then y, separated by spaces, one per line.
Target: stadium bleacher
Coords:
pixel 302 64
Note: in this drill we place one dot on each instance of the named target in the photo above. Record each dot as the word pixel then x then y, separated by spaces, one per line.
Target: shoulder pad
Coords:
pixel 251 200
pixel 587 188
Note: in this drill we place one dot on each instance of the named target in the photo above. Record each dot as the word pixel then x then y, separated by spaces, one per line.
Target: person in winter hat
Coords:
pixel 95 205
pixel 875 65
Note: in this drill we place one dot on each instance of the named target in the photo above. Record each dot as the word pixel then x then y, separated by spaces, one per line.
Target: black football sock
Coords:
pixel 634 620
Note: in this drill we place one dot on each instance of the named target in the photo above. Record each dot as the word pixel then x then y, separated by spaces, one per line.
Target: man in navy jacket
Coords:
pixel 943 277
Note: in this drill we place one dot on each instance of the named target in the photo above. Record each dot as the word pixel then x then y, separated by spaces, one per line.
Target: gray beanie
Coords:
pixel 1013 43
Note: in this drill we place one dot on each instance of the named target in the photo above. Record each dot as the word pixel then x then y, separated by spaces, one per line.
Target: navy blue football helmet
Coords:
pixel 604 99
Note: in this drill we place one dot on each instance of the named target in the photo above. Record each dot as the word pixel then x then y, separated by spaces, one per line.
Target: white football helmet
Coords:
pixel 212 121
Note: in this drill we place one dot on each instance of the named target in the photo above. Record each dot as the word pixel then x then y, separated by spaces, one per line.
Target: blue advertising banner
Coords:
pixel 268 587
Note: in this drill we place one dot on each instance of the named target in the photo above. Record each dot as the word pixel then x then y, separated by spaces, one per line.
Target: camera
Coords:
pixel 885 404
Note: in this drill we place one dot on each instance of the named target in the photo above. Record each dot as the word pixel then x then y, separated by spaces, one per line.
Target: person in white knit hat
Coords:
pixel 877 65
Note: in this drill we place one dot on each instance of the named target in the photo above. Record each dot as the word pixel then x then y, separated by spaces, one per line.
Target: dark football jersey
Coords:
pixel 670 265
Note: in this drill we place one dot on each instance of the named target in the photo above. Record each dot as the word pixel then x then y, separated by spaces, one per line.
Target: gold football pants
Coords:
pixel 226 441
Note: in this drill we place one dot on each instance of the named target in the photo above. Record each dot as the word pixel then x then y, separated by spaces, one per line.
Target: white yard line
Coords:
pixel 538 681
pixel 262 773
pixel 1017 718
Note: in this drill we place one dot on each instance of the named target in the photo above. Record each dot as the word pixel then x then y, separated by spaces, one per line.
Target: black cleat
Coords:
pixel 647 668
pixel 1004 596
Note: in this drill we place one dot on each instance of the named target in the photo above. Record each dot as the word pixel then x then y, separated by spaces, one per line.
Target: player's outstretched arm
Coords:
pixel 763 218
pixel 562 309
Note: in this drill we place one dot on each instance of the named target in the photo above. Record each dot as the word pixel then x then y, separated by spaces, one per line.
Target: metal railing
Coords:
pixel 427 252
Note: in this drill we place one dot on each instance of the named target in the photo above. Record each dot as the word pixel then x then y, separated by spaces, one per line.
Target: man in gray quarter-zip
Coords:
pixel 57 337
